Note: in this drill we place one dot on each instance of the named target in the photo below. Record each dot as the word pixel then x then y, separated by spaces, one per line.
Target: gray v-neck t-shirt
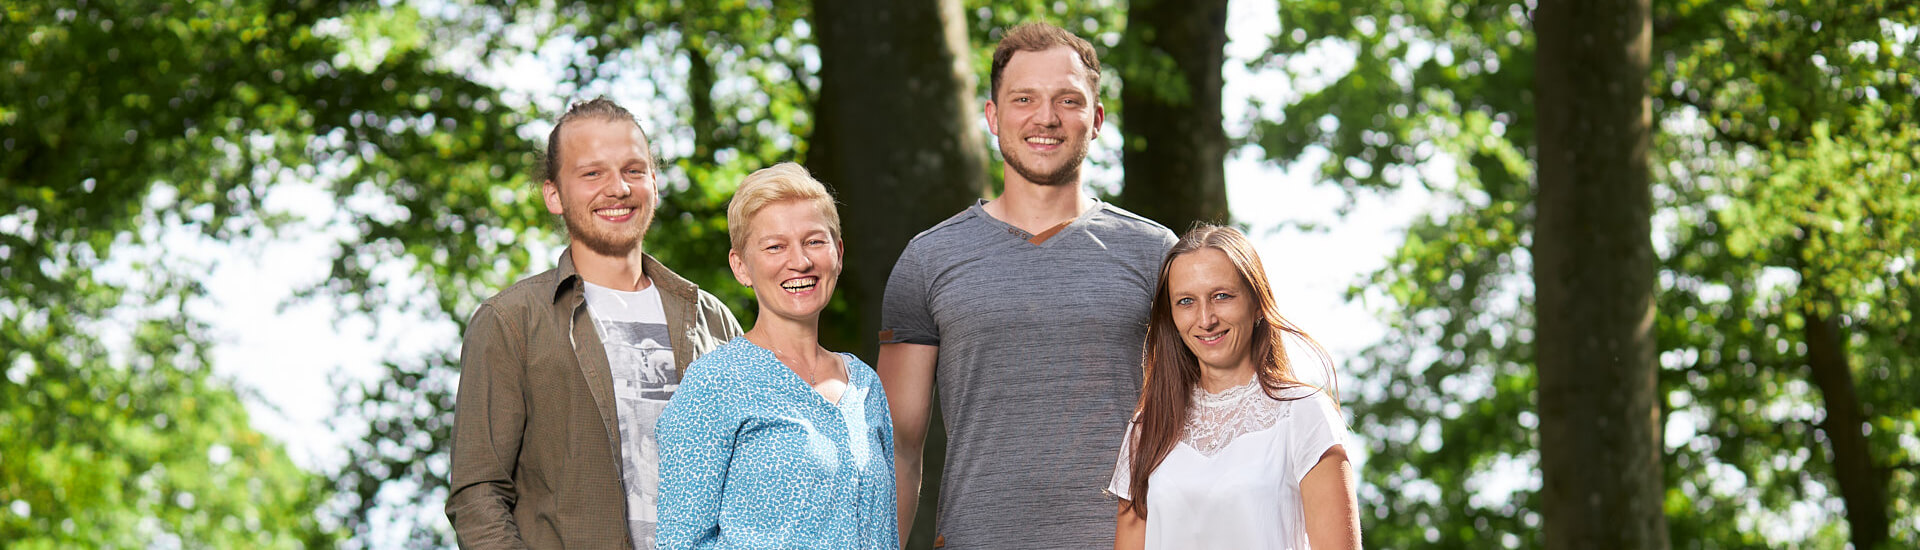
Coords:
pixel 1039 366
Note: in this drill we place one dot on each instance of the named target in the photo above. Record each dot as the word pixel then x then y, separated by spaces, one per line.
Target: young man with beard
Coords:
pixel 564 374
pixel 1029 311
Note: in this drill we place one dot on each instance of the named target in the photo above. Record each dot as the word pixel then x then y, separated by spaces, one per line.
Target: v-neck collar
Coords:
pixel 1036 239
pixel 790 378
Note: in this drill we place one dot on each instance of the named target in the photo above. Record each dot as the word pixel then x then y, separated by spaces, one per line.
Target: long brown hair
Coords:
pixel 1172 370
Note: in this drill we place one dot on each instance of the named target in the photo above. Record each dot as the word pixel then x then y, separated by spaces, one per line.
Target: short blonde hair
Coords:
pixel 775 184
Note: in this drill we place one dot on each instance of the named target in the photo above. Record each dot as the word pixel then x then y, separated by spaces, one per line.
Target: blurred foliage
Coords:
pixel 1783 168
pixel 1784 182
pixel 119 119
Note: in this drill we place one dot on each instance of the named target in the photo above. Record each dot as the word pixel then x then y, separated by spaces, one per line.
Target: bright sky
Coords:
pixel 287 357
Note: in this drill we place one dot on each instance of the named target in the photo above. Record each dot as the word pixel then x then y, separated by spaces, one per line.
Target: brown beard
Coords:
pixel 1068 173
pixel 604 243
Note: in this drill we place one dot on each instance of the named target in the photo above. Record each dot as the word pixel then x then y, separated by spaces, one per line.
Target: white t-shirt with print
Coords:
pixel 633 328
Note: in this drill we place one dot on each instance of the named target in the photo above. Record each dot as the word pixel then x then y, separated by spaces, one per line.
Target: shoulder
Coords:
pixel 724 365
pixel 1309 404
pixel 947 231
pixel 956 237
pixel 524 294
pixel 1121 220
pixel 708 304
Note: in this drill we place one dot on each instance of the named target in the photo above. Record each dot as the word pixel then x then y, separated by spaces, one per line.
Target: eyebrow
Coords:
pixel 644 163
pixel 1062 90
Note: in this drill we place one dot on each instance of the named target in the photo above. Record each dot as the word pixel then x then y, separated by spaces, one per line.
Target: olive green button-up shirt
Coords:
pixel 536 460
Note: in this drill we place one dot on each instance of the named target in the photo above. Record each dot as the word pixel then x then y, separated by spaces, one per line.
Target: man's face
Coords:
pixel 1045 116
pixel 604 185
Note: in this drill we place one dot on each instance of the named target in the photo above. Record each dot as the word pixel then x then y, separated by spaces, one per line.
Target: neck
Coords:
pixel 1218 379
pixel 615 272
pixel 1037 208
pixel 794 338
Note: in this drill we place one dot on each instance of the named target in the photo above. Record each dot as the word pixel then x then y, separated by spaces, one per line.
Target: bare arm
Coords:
pixel 1129 529
pixel 1333 513
pixel 906 373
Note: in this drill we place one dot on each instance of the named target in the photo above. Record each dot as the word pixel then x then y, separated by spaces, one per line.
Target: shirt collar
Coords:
pixel 567 277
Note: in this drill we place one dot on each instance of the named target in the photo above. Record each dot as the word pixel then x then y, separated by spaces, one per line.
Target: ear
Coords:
pixel 551 192
pixel 993 122
pixel 1099 116
pixel 739 267
pixel 840 254
pixel 653 180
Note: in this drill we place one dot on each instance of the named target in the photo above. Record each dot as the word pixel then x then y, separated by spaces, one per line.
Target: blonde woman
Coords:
pixel 773 441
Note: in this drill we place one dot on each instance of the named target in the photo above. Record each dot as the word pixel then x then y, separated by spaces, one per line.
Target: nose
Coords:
pixel 1048 116
pixel 621 188
pixel 799 261
pixel 1207 317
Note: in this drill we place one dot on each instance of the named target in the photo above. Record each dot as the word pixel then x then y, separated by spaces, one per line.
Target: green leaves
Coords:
pixel 127 117
pixel 1783 170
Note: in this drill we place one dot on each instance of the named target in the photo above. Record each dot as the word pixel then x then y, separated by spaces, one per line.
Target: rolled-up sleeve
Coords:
pixel 489 421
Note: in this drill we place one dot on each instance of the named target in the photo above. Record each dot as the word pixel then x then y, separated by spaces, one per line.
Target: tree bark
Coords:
pixel 896 134
pixel 1594 278
pixel 1863 485
pixel 700 80
pixel 897 137
pixel 1176 150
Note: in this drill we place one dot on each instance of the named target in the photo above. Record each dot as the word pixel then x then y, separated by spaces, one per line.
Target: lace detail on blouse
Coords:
pixel 1214 420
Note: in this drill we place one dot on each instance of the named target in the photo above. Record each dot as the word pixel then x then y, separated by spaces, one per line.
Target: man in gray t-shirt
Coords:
pixel 1029 312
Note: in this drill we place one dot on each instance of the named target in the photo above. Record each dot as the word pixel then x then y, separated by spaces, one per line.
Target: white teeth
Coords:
pixel 797 285
pixel 616 212
pixel 1043 140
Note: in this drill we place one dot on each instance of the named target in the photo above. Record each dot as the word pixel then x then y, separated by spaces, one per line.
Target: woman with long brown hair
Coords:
pixel 1233 449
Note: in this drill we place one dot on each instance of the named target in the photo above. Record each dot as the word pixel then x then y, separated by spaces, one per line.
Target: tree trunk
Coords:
pixel 700 80
pixel 1594 278
pixel 897 136
pixel 1175 153
pixel 1863 486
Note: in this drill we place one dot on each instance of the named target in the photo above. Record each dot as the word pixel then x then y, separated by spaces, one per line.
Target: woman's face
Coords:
pixel 790 260
pixel 1212 308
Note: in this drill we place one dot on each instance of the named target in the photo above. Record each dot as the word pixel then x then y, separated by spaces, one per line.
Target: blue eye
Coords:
pixel 1183 302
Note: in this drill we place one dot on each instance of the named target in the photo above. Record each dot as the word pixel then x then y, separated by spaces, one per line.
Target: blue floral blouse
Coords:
pixel 751 457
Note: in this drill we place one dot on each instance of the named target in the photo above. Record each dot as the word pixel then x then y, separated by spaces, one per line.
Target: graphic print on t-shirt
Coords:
pixel 644 379
pixel 642 349
pixel 633 331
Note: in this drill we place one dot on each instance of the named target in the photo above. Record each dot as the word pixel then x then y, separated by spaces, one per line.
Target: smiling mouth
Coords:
pixel 799 285
pixel 615 212
pixel 1210 338
pixel 1039 140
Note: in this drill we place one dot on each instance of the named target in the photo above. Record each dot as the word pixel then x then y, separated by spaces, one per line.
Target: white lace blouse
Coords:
pixel 1233 481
